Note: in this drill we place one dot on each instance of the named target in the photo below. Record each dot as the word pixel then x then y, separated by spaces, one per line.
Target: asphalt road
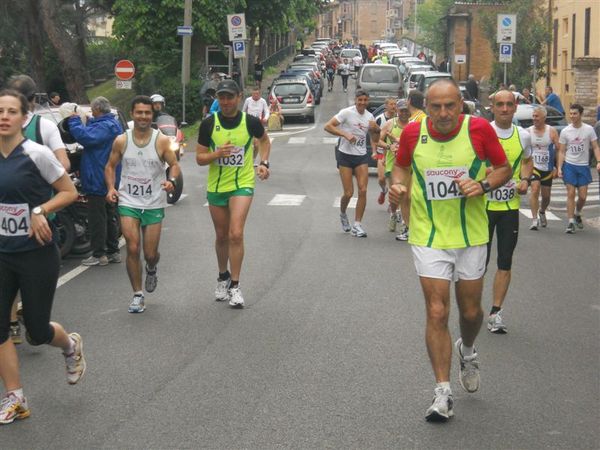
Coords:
pixel 329 352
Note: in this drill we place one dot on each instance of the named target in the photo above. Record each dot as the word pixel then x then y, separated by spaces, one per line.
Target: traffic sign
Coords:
pixel 507 29
pixel 123 84
pixel 239 49
pixel 506 52
pixel 185 31
pixel 124 70
pixel 236 25
pixel 460 59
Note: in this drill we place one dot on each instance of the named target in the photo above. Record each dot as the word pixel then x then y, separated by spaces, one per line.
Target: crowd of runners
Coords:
pixel 452 182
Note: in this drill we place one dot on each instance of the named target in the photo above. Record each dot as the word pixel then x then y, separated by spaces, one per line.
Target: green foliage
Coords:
pixel 533 33
pixel 432 31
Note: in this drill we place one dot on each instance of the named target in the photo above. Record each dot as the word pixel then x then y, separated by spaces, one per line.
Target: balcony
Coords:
pixel 391 13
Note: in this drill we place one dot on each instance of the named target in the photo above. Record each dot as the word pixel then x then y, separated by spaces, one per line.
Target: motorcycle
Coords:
pixel 167 125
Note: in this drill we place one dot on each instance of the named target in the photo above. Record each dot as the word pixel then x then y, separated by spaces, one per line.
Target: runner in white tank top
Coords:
pixel 142 196
pixel 143 175
pixel 544 142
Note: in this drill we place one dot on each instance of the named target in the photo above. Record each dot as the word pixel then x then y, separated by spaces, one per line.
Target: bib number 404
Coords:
pixel 11 226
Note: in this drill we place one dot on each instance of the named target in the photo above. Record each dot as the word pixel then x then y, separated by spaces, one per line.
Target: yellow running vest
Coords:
pixel 506 197
pixel 237 170
pixel 390 155
pixel 440 216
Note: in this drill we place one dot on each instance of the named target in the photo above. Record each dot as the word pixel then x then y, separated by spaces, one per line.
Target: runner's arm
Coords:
pixel 116 154
pixel 560 158
pixel 332 128
pixel 554 139
pixel 596 149
pixel 168 155
pixel 385 130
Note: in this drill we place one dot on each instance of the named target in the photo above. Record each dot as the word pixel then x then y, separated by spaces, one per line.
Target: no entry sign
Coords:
pixel 124 70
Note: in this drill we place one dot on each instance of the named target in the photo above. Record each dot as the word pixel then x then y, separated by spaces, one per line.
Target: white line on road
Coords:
pixel 287 200
pixel 79 270
pixel 297 140
pixel 330 140
pixel 549 215
pixel 352 204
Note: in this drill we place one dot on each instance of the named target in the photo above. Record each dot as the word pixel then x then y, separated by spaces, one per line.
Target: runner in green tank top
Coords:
pixel 448 230
pixel 225 145
pixel 389 138
pixel 503 203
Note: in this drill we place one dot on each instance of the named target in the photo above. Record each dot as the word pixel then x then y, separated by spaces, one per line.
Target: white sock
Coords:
pixel 572 220
pixel 466 351
pixel 71 348
pixel 17 393
pixel 138 294
pixel 577 212
pixel 444 385
pixel 356 223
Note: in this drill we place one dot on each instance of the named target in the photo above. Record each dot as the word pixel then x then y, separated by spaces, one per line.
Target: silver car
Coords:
pixel 295 98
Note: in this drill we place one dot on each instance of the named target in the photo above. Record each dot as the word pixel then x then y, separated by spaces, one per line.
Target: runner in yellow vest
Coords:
pixel 389 139
pixel 503 203
pixel 445 155
pixel 225 145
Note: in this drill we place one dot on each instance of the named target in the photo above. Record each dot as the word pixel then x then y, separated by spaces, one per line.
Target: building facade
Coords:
pixel 574 53
pixel 359 21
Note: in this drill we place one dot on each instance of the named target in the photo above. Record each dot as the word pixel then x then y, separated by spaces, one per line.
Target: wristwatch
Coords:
pixel 265 163
pixel 38 211
pixel 485 186
pixel 528 181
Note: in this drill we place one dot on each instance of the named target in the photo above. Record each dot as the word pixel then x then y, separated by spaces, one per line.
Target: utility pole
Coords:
pixel 185 59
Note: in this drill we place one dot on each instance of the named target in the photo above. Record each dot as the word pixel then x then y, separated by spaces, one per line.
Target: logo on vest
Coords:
pixel 424 139
pixel 218 128
pixel 12 210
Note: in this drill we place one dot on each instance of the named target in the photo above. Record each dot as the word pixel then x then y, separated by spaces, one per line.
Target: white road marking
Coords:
pixel 287 200
pixel 297 140
pixel 330 140
pixel 352 204
pixel 206 204
pixel 596 307
pixel 549 215
pixel 79 270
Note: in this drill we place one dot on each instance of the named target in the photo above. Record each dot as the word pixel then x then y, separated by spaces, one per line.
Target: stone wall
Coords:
pixel 586 86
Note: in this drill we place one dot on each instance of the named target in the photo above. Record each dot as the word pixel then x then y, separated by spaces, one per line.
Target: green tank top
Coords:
pixel 236 171
pixel 32 130
pixel 390 156
pixel 506 197
pixel 440 216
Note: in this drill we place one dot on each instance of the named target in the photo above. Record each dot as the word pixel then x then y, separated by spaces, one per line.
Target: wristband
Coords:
pixel 485 186
pixel 265 164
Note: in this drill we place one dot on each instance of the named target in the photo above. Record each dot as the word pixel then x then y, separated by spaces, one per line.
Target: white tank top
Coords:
pixel 142 173
pixel 540 148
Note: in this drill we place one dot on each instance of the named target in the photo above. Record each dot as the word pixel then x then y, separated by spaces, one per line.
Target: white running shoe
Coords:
pixel 403 236
pixel 543 220
pixel 358 231
pixel 345 223
pixel 534 225
pixel 222 290
pixel 235 298
pixel 441 408
pixel 75 361
pixel 468 370
pixel 137 304
pixel 13 408
pixel 496 323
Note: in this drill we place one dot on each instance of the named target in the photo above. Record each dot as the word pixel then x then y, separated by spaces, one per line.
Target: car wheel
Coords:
pixel 310 119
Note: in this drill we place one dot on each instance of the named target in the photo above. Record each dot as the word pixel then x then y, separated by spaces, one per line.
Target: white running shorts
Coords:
pixel 450 264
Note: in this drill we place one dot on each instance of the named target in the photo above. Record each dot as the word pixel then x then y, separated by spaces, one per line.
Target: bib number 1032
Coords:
pixel 235 158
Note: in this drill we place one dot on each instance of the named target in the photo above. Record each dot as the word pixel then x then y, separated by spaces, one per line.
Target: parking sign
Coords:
pixel 507 29
pixel 505 53
pixel 239 49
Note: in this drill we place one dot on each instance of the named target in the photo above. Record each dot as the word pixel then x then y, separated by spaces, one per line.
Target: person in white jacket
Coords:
pixel 257 106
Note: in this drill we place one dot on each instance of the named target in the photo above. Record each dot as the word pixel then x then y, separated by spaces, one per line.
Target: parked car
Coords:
pixel 380 81
pixel 427 78
pixel 411 80
pixel 349 53
pixel 295 97
pixel 308 76
pixel 524 116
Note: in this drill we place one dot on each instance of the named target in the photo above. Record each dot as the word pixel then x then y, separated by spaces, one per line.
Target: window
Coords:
pixel 565 28
pixel 573 36
pixel 555 44
pixel 586 39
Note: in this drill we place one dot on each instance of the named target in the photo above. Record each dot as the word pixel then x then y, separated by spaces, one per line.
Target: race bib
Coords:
pixel 503 193
pixel 361 142
pixel 138 187
pixel 14 219
pixel 440 184
pixel 235 158
pixel 576 148
pixel 541 157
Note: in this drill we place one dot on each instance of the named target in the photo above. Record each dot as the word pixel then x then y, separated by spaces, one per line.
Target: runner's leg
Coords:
pixel 570 202
pixel 347 186
pixel 220 218
pixel 546 192
pixel 534 199
pixel 437 335
pixel 362 178
pixel 130 227
pixel 151 239
pixel 468 298
pixel 581 197
pixel 239 206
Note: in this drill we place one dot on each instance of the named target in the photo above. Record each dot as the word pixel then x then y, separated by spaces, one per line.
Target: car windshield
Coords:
pixel 382 74
pixel 289 89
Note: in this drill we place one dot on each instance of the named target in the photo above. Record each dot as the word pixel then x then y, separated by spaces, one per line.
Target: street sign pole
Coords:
pixel 505 74
pixel 185 58
pixel 533 88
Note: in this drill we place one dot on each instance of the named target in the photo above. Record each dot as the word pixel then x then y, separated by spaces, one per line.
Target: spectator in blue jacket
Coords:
pixel 553 100
pixel 97 137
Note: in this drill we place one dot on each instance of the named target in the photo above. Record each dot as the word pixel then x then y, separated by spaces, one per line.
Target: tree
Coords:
pixel 533 34
pixel 432 31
